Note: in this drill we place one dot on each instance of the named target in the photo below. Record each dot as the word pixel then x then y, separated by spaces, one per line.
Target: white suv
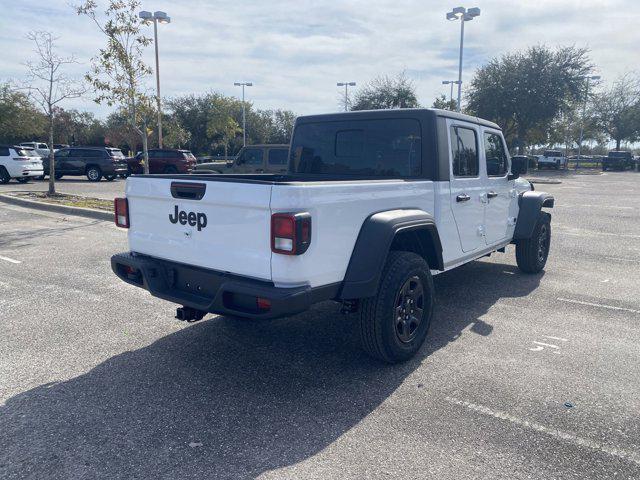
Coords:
pixel 20 163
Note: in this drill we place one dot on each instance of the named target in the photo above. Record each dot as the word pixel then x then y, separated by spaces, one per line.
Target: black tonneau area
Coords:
pixel 272 178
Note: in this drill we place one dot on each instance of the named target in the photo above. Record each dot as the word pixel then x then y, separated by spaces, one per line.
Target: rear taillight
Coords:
pixel 290 233
pixel 121 207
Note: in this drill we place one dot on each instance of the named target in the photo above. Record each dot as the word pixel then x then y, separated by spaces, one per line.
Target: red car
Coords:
pixel 163 160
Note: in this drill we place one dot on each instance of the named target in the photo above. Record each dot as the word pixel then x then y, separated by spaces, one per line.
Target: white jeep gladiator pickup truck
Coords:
pixel 373 204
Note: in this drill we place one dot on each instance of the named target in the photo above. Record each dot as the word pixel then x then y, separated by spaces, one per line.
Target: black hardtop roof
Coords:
pixel 395 113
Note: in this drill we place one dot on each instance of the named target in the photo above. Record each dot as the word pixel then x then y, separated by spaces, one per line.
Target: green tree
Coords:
pixel 386 92
pixel 20 120
pixel 617 110
pixel 173 134
pixel 524 91
pixel 442 103
pixel 76 127
pixel 118 71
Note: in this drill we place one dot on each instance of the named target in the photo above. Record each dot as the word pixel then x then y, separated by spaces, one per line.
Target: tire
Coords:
pixel 170 170
pixel 58 176
pixel 109 178
pixel 381 334
pixel 4 176
pixel 22 180
pixel 94 174
pixel 532 253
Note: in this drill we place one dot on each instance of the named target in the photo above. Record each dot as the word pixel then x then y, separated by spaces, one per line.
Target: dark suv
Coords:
pixel 164 160
pixel 94 162
pixel 617 159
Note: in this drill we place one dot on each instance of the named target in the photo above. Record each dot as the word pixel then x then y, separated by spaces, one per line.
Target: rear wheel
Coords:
pixel 395 323
pixel 170 170
pixel 4 176
pixel 22 180
pixel 532 253
pixel 94 174
pixel 110 178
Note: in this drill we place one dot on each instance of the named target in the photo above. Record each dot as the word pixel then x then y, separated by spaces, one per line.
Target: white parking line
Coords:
pixel 10 260
pixel 552 432
pixel 546 344
pixel 556 338
pixel 600 305
pixel 622 259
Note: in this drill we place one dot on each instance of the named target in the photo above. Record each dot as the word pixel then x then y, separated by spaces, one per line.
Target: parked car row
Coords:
pixel 251 159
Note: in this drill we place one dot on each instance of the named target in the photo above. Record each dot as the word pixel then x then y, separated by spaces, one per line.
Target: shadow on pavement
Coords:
pixel 227 398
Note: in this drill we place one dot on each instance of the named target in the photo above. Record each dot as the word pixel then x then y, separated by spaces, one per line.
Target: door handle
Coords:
pixel 492 194
pixel 463 198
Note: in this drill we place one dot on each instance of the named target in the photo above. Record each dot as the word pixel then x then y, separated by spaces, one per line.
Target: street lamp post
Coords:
pixel 244 118
pixel 156 17
pixel 452 83
pixel 588 78
pixel 464 15
pixel 346 86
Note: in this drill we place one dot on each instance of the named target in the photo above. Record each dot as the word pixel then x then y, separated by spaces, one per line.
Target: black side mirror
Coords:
pixel 518 167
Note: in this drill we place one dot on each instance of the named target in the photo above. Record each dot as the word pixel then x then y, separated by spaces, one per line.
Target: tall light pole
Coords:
pixel 452 83
pixel 244 118
pixel 464 15
pixel 156 17
pixel 346 86
pixel 588 79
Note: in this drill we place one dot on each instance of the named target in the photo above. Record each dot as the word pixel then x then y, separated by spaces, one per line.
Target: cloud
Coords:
pixel 296 51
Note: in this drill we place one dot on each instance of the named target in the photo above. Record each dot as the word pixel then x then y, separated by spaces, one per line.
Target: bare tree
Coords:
pixel 49 85
pixel 118 70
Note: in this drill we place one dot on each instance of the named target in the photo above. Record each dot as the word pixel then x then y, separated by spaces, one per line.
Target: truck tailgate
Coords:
pixel 228 229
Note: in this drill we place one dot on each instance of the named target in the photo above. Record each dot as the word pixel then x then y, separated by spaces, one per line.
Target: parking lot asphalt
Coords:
pixel 522 376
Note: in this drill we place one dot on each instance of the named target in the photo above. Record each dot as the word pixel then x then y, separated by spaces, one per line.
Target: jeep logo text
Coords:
pixel 192 218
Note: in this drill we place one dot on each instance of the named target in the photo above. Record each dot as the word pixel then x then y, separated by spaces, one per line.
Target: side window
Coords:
pixel 62 154
pixel 464 152
pixel 77 153
pixel 495 155
pixel 4 151
pixel 278 156
pixel 253 156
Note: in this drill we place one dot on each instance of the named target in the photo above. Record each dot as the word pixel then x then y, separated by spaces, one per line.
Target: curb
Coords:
pixel 546 181
pixel 52 207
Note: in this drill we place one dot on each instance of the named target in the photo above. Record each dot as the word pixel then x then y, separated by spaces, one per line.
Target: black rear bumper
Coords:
pixel 215 292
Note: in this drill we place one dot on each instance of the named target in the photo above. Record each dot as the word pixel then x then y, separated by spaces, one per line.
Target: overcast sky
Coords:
pixel 295 51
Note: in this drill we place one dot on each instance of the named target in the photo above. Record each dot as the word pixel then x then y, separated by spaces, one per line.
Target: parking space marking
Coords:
pixel 623 259
pixel 10 260
pixel 552 432
pixel 556 338
pixel 546 344
pixel 600 305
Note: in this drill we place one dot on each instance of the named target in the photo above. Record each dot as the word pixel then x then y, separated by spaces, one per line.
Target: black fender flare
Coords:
pixel 373 243
pixel 530 205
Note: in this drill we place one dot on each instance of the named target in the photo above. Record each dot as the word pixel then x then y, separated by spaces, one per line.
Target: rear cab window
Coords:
pixel 368 147
pixel 495 155
pixel 464 151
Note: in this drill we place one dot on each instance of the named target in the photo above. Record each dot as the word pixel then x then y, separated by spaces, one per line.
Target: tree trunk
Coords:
pixel 52 164
pixel 618 141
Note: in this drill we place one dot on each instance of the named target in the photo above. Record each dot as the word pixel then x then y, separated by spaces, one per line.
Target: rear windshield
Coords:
pixel 380 148
pixel 552 153
pixel 115 152
pixel 25 152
